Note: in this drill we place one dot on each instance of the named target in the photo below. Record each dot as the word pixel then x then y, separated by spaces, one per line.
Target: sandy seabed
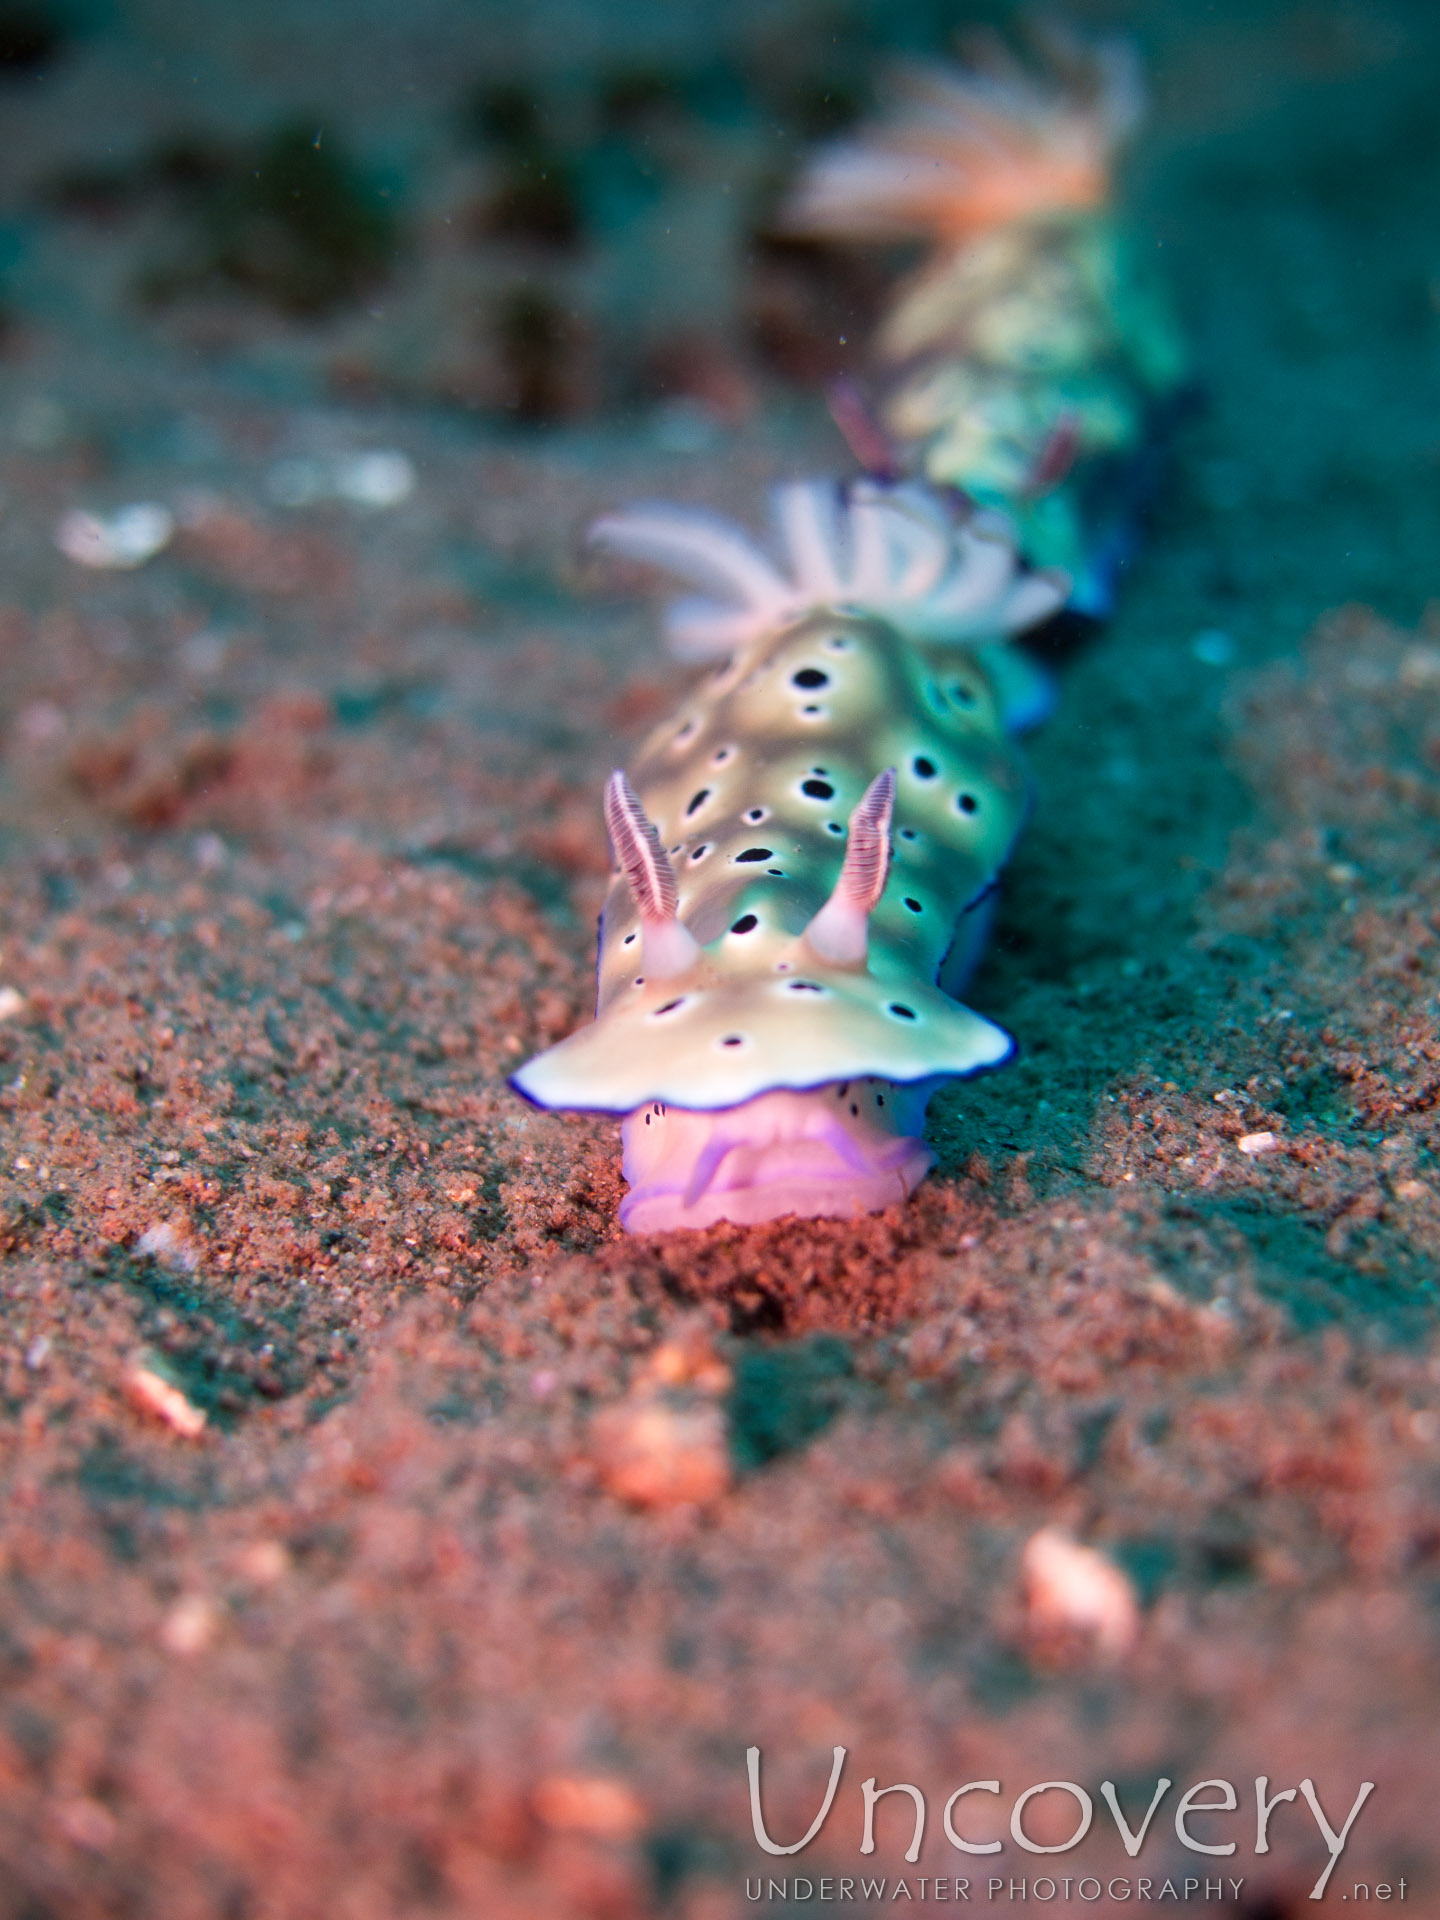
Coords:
pixel 385 1534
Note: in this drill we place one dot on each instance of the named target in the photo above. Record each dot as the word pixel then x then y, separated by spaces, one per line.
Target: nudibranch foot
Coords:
pixel 845 1149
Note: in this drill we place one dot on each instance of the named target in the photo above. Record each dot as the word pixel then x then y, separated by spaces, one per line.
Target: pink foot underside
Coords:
pixel 835 1150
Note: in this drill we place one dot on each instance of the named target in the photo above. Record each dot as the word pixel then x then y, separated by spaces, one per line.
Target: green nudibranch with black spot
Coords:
pixel 805 859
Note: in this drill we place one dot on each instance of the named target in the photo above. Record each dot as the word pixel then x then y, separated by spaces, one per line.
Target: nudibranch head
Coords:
pixel 972 148
pixel 771 835
pixel 729 1033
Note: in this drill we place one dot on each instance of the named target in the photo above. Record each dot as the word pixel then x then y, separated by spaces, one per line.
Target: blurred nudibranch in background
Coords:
pixel 1032 360
pixel 807 858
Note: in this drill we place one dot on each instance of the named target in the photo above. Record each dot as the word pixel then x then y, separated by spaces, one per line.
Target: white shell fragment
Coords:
pixel 1072 1589
pixel 154 1395
pixel 1253 1143
pixel 125 540
pixel 162 1242
pixel 189 1625
pixel 382 478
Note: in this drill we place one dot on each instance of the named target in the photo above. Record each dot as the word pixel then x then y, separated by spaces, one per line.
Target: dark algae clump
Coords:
pixel 289 220
pixel 30 37
pixel 292 222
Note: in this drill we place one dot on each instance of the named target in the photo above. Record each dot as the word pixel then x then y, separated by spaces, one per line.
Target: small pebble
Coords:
pixel 11 1003
pixel 1070 1589
pixel 164 1243
pixel 380 479
pixel 1253 1143
pixel 653 1454
pixel 189 1626
pixel 126 539
pixel 263 1562
pixel 603 1809
pixel 156 1396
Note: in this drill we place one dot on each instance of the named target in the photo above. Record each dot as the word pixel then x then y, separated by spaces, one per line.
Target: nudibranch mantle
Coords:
pixel 767 1067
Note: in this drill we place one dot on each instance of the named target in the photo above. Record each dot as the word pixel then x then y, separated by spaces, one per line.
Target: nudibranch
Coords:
pixel 805 858
pixel 1031 360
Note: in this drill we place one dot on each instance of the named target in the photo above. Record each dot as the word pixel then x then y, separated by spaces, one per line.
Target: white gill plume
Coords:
pixel 895 552
pixel 668 946
pixel 839 931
